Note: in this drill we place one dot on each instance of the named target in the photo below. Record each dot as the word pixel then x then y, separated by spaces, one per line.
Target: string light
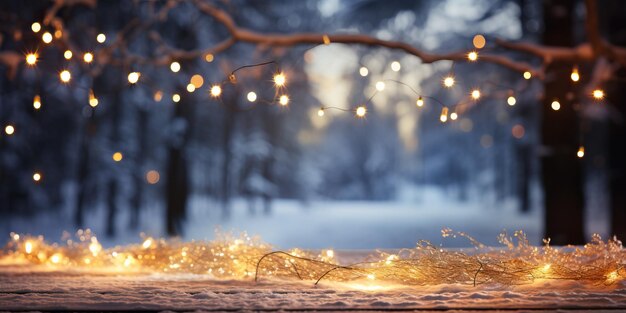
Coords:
pixel 36 27
pixel 380 86
pixel 88 57
pixel 117 156
pixel 46 37
pixel 420 101
pixel 472 56
pixel 158 96
pixel 444 115
pixel 101 38
pixel 475 94
pixel 28 247
pixel 9 130
pixel 320 112
pixel 31 58
pixel 197 80
pixel 209 57
pixel 280 79
pixel 283 100
pixel 448 81
pixel 251 96
pixel 191 87
pixel 575 76
pixel 453 116
pixel 216 91
pixel 93 101
pixel 479 41
pixel 152 177
pixel 581 152
pixel 363 71
pixel 133 77
pixel 395 66
pixel 65 76
pixel 58 34
pixel 326 39
pixel 555 105
pixel 176 98
pixel 67 54
pixel 36 177
pixel 598 94
pixel 511 100
pixel 527 75
pixel 175 67
pixel 361 111
pixel 37 102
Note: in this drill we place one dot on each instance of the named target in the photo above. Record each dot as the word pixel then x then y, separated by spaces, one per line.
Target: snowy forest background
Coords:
pixel 288 175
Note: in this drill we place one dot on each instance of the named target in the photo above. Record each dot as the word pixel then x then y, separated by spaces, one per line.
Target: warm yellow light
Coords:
pixel 101 38
pixel 380 86
pixel 479 41
pixel 37 102
pixel 371 276
pixel 93 101
pixel 555 105
pixel 158 96
pixel 280 79
pixel 147 243
pixel 251 96
pixel 575 76
pixel 612 276
pixel 475 94
pixel 472 56
pixel 511 100
pixel 216 91
pixel 361 111
pixel 36 177
pixel 283 100
pixel 453 116
pixel 320 112
pixel 28 247
pixel 36 27
pixel 448 81
pixel 209 57
pixel 527 75
pixel 46 37
pixel 175 67
pixel 152 177
pixel 546 267
pixel 94 246
pixel 420 101
pixel 326 39
pixel 191 87
pixel 197 80
pixel 444 115
pixel 133 77
pixel 598 94
pixel 176 97
pixel 65 76
pixel 88 57
pixel 55 258
pixel 117 156
pixel 395 66
pixel 67 54
pixel 330 253
pixel 58 34
pixel 9 130
pixel 31 58
pixel 581 152
pixel 363 71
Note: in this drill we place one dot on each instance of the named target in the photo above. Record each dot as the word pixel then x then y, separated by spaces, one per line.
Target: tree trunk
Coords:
pixel 136 202
pixel 561 169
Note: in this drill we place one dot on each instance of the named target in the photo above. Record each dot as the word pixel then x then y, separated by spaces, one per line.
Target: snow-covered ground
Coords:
pixel 313 225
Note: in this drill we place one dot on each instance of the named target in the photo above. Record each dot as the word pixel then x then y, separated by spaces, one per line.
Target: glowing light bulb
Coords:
pixel 371 276
pixel 216 91
pixel 475 94
pixel 93 101
pixel 147 243
pixel 380 86
pixel 612 276
pixel 197 80
pixel 58 34
pixel 65 76
pixel 598 94
pixel 28 247
pixel 209 57
pixel 117 156
pixel 527 75
pixel 101 38
pixel 546 267
pixel 453 116
pixel 175 67
pixel 251 96
pixel 395 66
pixel 472 56
pixel 511 100
pixel 444 115
pixel 133 77
pixel 46 37
pixel 88 57
pixel 9 130
pixel 581 152
pixel 448 81
pixel 31 58
pixel 555 105
pixel 36 177
pixel 363 71
pixel 55 258
pixel 36 27
pixel 67 54
pixel 283 100
pixel 575 76
pixel 320 112
pixel 330 253
pixel 420 101
pixel 326 39
pixel 153 177
pixel 158 96
pixel 94 246
pixel 191 87
pixel 37 102
pixel 479 41
pixel 176 98
pixel 280 79
pixel 361 111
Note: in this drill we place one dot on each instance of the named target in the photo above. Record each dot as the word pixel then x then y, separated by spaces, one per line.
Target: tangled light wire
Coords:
pixel 243 257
